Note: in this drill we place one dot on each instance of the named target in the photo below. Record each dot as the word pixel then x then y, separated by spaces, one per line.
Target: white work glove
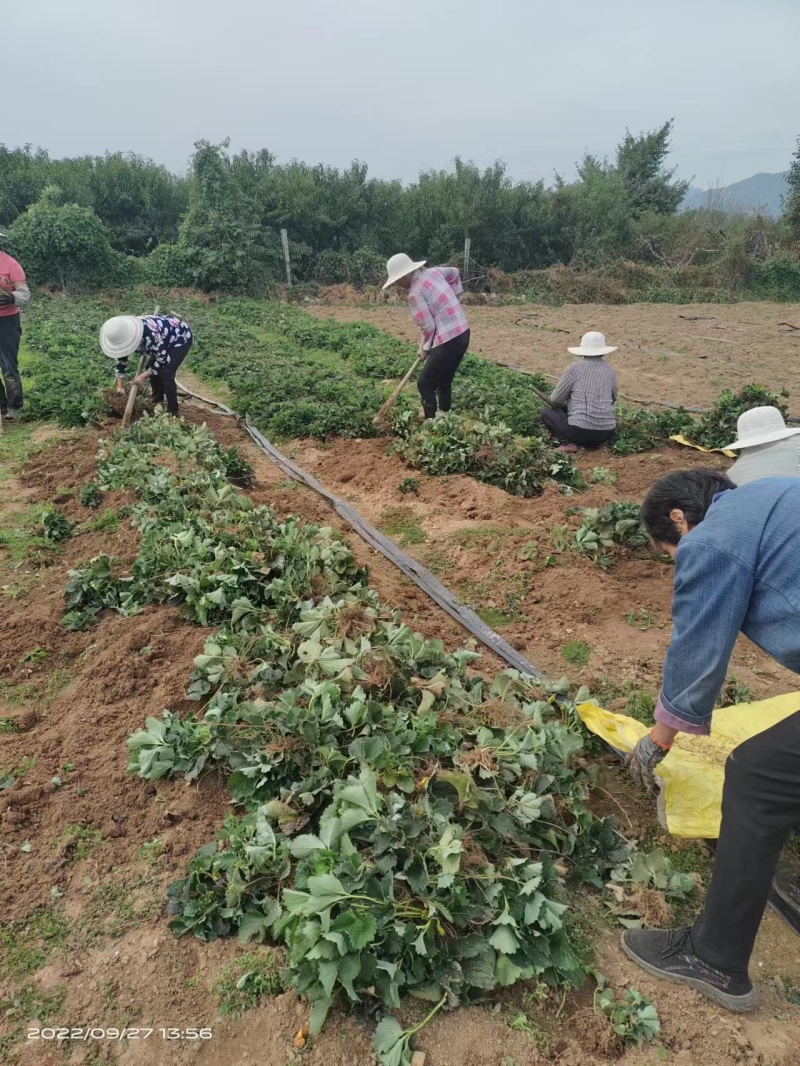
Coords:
pixel 643 760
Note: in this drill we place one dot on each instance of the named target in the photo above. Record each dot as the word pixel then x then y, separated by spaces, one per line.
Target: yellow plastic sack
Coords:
pixel 680 439
pixel 691 775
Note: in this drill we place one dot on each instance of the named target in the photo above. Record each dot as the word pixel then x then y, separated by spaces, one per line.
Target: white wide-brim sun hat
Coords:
pixel 760 425
pixel 399 265
pixel 592 345
pixel 121 336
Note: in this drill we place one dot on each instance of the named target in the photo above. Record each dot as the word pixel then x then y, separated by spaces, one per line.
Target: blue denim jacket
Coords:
pixel 739 570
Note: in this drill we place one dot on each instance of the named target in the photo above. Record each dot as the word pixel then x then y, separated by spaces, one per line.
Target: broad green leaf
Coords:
pixel 504 940
pixel 319 1012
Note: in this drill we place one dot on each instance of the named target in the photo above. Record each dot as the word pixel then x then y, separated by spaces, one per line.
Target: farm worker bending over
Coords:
pixel 584 397
pixel 164 339
pixel 14 293
pixel 737 568
pixel 767 447
pixel 434 296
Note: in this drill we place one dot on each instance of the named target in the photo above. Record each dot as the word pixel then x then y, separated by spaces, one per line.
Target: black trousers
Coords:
pixel 163 381
pixel 760 807
pixel 436 380
pixel 557 421
pixel 10 334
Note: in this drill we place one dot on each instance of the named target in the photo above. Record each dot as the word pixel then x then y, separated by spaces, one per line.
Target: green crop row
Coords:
pixel 401 826
pixel 299 376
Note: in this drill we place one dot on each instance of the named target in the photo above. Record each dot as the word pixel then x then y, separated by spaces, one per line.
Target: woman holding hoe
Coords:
pixel 434 296
pixel 163 339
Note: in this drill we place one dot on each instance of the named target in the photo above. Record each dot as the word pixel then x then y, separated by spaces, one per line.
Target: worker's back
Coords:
pixel 752 535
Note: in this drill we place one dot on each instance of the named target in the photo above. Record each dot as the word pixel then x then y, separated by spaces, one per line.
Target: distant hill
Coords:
pixel 762 192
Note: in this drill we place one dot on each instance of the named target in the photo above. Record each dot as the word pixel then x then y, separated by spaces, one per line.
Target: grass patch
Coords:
pixel 403 522
pixel 641 620
pixel 733 692
pixel 107 521
pixel 243 982
pixel 495 616
pixel 27 944
pixel 42 690
pixel 26 1004
pixel 639 703
pixel 16 773
pixel 576 652
pixel 114 908
pixel 16 446
pixel 151 851
pixel 78 841
pixel 480 534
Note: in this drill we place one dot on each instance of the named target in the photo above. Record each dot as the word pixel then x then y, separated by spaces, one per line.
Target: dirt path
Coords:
pixel 682 353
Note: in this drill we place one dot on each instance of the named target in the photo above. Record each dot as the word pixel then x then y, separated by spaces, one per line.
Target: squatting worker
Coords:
pixel 737 568
pixel 767 447
pixel 14 293
pixel 584 397
pixel 434 296
pixel 164 339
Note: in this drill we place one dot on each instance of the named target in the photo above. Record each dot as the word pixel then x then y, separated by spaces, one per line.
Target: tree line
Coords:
pixel 121 218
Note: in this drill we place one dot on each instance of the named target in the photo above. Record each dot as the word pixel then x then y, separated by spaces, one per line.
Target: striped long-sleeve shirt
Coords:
pixel 588 390
pixel 433 299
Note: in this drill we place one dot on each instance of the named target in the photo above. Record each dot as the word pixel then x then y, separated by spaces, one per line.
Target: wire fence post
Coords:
pixel 467 243
pixel 285 243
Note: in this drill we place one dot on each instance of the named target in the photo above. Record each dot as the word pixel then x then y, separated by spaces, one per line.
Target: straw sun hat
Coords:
pixel 760 425
pixel 121 336
pixel 592 345
pixel 400 265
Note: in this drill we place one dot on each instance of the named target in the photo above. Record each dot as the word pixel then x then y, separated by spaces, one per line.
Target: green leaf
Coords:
pixel 506 972
pixel 327 972
pixel 303 846
pixel 319 1012
pixel 359 930
pixel 325 890
pixel 503 940
pixel 390 1042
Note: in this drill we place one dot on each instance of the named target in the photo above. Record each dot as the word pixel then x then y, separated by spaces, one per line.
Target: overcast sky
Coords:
pixel 408 85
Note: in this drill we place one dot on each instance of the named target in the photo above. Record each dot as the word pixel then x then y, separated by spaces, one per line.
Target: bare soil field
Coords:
pixel 681 353
pixel 105 957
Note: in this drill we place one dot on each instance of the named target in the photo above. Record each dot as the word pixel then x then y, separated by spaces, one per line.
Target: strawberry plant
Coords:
pixel 617 524
pixel 641 430
pixel 632 1017
pixel 386 834
pixel 717 427
pixel 90 495
pixel 489 452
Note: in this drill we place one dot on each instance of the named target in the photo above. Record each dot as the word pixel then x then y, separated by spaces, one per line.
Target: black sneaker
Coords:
pixel 670 955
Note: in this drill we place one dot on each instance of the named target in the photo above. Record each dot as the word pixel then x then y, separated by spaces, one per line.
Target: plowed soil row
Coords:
pixel 94 850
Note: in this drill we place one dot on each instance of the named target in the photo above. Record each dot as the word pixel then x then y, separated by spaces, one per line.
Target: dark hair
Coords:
pixel 690 490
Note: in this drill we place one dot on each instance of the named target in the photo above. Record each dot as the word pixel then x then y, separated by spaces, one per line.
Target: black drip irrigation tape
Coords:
pixel 417 573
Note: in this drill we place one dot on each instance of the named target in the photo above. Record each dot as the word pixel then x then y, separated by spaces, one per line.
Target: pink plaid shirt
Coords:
pixel 433 299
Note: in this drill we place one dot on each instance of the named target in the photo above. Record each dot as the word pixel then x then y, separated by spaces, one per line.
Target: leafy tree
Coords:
pixel 647 182
pixel 66 244
pixel 222 236
pixel 792 205
pixel 593 216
